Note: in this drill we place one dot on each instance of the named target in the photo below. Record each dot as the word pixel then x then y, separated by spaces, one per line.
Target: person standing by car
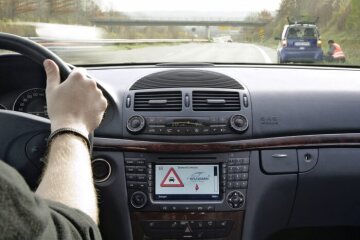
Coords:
pixel 64 205
pixel 335 53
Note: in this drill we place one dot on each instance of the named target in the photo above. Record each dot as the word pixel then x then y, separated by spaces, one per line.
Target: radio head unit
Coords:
pixel 184 182
pixel 187 182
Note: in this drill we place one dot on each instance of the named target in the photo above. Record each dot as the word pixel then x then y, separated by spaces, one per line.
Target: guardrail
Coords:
pixel 112 41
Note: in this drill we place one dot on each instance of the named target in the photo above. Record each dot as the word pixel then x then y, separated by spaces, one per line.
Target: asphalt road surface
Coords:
pixel 191 52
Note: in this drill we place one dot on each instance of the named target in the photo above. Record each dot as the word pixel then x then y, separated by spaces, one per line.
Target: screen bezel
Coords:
pixel 188 197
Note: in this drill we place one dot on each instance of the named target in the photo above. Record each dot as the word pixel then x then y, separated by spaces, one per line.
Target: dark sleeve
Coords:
pixel 23 215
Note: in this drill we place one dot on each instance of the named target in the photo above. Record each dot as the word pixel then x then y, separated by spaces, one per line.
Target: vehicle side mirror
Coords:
pixel 277 38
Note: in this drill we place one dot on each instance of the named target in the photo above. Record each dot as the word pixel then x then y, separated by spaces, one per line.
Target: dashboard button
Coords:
pixel 160 120
pixel 215 130
pixel 161 130
pixel 209 208
pixel 223 130
pixel 244 176
pixel 129 162
pixel 230 185
pixel 243 184
pixel 237 185
pixel 130 169
pixel 196 131
pixel 169 131
pixel 205 131
pixel 141 185
pixel 140 162
pixel 141 169
pixel 244 169
pixel 232 177
pixel 151 130
pixel 179 131
pixel 175 225
pixel 210 224
pixel 141 177
pixel 200 208
pixel 238 161
pixel 131 177
pixel 186 208
pixel 245 161
pixel 164 208
pixel 151 120
pixel 231 162
pixel 222 224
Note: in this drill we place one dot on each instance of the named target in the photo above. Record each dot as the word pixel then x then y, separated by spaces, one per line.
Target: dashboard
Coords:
pixel 217 151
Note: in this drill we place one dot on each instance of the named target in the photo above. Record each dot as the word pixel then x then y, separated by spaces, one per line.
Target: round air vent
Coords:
pixel 101 170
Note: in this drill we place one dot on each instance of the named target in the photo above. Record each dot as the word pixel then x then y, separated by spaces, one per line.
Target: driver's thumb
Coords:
pixel 52 73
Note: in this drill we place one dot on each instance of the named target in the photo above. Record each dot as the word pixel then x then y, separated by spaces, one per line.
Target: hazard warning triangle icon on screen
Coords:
pixel 171 179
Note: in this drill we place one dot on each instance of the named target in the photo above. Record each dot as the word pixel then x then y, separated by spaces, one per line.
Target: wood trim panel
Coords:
pixel 321 140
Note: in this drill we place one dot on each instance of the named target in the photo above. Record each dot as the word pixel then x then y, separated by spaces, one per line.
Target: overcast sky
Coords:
pixel 190 5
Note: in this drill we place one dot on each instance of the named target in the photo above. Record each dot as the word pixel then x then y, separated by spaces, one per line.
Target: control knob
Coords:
pixel 235 199
pixel 135 124
pixel 239 123
pixel 138 199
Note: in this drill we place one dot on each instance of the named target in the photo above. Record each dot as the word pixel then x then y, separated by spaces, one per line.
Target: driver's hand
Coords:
pixel 76 103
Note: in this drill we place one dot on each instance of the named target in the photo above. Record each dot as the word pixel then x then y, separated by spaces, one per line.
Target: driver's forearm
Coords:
pixel 68 175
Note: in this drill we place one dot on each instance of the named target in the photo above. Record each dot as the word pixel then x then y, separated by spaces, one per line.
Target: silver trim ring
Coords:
pixel 109 166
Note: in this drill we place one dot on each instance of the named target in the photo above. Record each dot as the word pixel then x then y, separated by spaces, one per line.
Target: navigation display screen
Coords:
pixel 187 182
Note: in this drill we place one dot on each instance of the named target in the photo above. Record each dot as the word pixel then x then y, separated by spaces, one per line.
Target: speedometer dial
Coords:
pixel 32 101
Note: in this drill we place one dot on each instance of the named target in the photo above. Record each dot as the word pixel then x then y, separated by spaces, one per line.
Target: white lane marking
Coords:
pixel 264 54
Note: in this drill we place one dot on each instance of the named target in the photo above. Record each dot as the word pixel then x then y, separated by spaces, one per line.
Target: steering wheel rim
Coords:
pixel 23 133
pixel 32 50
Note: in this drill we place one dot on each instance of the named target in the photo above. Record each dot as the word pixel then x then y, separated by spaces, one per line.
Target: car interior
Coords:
pixel 194 150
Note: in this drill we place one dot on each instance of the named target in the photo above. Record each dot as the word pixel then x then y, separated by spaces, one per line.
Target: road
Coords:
pixel 191 52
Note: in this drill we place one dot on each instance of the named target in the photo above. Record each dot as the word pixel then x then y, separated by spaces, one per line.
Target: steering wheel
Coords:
pixel 23 136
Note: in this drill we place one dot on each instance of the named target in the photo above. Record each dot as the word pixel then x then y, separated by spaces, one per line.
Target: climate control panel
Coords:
pixel 138 124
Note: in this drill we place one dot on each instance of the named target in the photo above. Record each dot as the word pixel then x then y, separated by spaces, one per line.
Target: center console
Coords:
pixel 198 195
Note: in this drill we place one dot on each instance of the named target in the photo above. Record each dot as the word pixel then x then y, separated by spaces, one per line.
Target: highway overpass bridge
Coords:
pixel 207 23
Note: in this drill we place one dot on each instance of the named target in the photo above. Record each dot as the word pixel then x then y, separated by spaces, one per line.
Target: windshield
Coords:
pixel 160 31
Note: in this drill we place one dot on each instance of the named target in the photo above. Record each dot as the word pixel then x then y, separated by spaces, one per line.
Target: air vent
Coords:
pixel 215 101
pixel 158 101
pixel 185 78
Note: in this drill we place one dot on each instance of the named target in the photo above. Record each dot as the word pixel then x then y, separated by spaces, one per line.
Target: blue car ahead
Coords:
pixel 300 43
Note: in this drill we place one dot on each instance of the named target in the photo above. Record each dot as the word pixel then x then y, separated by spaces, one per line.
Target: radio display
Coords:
pixel 187 182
